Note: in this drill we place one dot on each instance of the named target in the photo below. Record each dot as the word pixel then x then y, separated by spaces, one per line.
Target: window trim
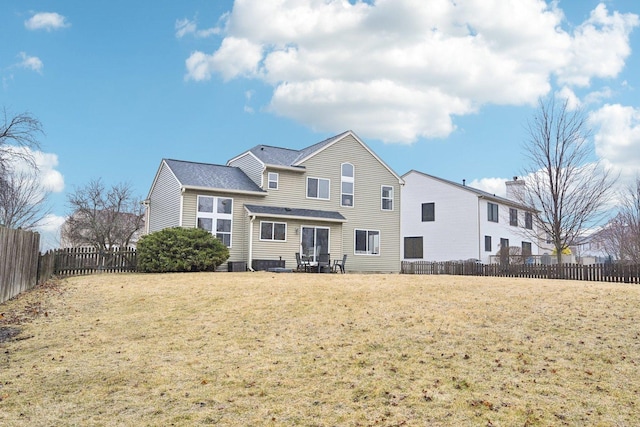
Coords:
pixel 513 217
pixel 273 231
pixel 351 179
pixel 415 245
pixel 318 193
pixel 270 181
pixel 433 212
pixel 215 216
pixel 382 198
pixel 490 213
pixel 487 239
pixel 367 250
pixel 528 220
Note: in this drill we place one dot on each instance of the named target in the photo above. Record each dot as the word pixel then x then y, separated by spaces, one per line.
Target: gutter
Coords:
pixel 252 218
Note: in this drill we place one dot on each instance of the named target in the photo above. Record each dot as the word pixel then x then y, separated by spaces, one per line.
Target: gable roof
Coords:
pixel 480 193
pixel 286 157
pixel 280 212
pixel 213 177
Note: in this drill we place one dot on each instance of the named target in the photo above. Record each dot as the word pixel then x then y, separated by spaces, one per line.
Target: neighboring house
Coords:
pixel 446 221
pixel 268 203
pixel 117 227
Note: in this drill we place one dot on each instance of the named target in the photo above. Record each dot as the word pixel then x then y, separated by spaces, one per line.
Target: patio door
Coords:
pixel 314 241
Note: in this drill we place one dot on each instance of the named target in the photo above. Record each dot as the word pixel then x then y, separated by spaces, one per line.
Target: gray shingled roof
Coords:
pixel 294 212
pixel 206 175
pixel 287 157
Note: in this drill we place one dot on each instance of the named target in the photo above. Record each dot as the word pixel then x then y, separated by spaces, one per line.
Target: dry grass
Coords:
pixel 240 349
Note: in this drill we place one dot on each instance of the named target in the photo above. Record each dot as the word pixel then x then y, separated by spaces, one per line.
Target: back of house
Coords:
pixel 335 197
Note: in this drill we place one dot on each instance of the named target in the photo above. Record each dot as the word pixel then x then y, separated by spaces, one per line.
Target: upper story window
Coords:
pixel 428 212
pixel 528 220
pixel 513 217
pixel 387 198
pixel 318 188
pixel 347 184
pixel 215 215
pixel 272 180
pixel 492 212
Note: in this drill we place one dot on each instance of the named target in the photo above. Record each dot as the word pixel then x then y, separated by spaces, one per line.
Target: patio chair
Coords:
pixel 337 264
pixel 324 263
pixel 303 264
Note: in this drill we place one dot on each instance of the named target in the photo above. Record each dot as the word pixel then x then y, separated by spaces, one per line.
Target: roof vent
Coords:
pixel 464 182
pixel 287 209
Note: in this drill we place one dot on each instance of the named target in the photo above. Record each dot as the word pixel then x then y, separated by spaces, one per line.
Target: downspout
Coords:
pixel 480 239
pixel 251 219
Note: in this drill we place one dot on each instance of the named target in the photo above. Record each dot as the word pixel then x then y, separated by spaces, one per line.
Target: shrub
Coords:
pixel 180 249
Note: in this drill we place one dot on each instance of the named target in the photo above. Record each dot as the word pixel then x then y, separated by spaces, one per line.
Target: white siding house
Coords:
pixel 445 221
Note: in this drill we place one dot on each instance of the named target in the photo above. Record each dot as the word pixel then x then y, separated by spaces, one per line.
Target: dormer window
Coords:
pixel 272 180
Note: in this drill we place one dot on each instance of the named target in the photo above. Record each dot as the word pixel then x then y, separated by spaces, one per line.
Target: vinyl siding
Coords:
pixel 251 166
pixel 366 214
pixel 164 201
pixel 239 250
pixel 460 224
pixel 287 250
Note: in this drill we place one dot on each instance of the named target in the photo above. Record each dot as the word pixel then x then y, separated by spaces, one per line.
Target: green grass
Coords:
pixel 245 349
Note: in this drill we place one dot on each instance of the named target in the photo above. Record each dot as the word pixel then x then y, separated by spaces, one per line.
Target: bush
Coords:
pixel 180 249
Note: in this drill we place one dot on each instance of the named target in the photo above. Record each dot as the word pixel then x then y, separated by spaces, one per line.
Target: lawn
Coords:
pixel 265 349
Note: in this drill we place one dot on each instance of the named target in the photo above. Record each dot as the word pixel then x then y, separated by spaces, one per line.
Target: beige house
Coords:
pixel 269 203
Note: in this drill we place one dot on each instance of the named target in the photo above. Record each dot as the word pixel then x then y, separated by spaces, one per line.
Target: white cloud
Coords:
pixel 190 27
pixel 236 57
pixel 30 62
pixel 49 229
pixel 50 178
pixel 46 21
pixel 399 70
pixel 617 138
pixel 491 185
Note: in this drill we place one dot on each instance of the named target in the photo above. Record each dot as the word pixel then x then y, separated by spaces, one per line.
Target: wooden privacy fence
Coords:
pixel 76 261
pixel 621 273
pixel 19 252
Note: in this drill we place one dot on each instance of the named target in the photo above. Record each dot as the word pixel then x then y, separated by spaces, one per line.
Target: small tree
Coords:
pixel 180 249
pixel 22 196
pixel 621 235
pixel 567 191
pixel 18 139
pixel 103 218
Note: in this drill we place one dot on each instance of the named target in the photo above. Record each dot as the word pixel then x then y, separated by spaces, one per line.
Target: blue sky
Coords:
pixel 445 89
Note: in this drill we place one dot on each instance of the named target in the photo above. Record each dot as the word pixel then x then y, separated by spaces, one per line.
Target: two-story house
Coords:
pixel 445 221
pixel 267 203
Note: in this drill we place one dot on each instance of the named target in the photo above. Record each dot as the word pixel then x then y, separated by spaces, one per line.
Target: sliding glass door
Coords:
pixel 314 241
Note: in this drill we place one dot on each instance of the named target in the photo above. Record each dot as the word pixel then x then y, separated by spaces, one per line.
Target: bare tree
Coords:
pixel 17 134
pixel 621 235
pixel 568 191
pixel 23 200
pixel 103 217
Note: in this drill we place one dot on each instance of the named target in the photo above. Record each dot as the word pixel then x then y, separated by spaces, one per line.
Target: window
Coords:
pixel 272 178
pixel 413 247
pixel 318 188
pixel 513 217
pixel 314 241
pixel 492 212
pixel 387 198
pixel 273 231
pixel 346 184
pixel 428 212
pixel 487 243
pixel 526 250
pixel 215 215
pixel 367 242
pixel 528 220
